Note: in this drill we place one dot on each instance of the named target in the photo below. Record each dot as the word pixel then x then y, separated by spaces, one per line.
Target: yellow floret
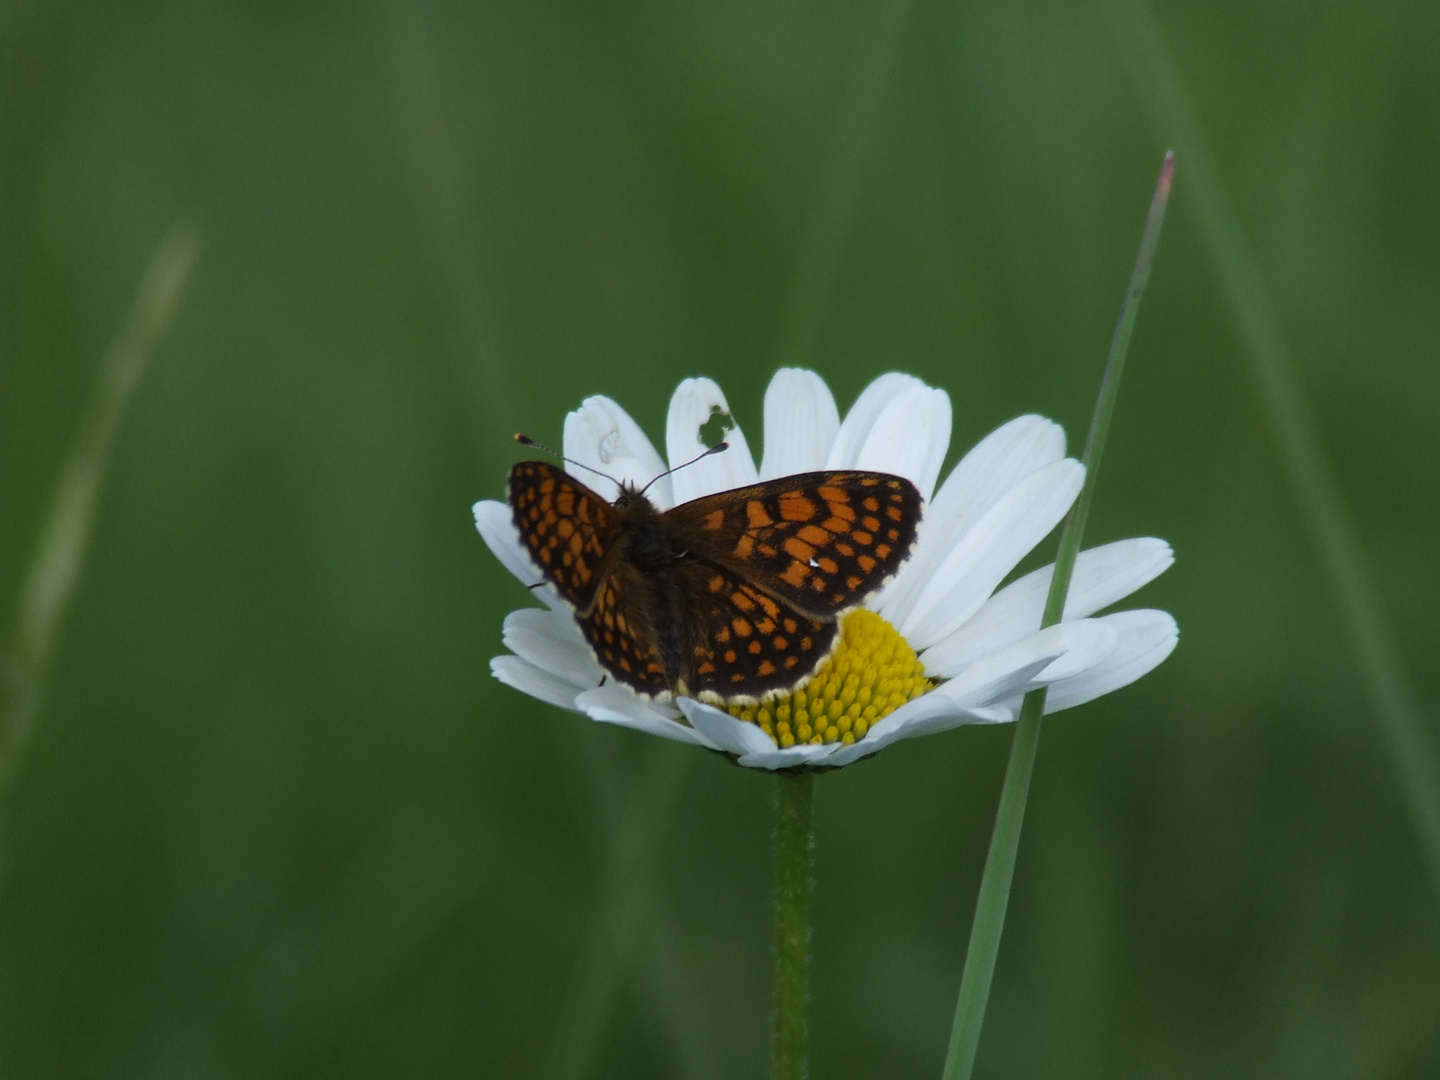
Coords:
pixel 871 673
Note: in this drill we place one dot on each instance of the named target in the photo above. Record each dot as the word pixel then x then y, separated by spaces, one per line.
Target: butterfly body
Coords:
pixel 731 597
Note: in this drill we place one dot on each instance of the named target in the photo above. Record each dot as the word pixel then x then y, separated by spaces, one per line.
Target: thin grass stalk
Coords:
pixel 65 538
pixel 994 897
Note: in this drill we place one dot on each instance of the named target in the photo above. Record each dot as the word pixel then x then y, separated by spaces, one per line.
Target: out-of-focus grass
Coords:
pixel 1405 728
pixel 277 820
pixel 60 554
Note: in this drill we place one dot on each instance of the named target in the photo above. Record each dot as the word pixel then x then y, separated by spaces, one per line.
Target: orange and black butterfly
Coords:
pixel 734 596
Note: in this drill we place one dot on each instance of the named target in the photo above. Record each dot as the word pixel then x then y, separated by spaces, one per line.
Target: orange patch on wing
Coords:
pixel 796 508
pixel 814 534
pixel 798 549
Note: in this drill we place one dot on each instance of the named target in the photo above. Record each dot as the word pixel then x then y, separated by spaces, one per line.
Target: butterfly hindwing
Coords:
pixel 739 642
pixel 619 630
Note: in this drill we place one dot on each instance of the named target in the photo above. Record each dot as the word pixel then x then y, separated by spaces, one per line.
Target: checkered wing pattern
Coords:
pixel 740 642
pixel 566 528
pixel 732 596
pixel 618 627
pixel 820 541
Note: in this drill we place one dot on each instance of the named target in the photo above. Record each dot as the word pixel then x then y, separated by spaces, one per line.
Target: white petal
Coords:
pixel 863 414
pixel 551 641
pixel 1146 637
pixel 990 550
pixel 497 529
pixel 616 705
pixel 995 465
pixel 602 435
pixel 909 438
pixel 730 734
pixel 691 407
pixel 1056 652
pixel 801 422
pixel 528 679
pixel 1103 576
pixel 804 754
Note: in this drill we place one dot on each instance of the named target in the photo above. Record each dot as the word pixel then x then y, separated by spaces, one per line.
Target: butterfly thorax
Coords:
pixel 647 556
pixel 643 534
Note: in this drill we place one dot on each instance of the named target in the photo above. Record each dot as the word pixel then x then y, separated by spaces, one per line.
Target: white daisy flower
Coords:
pixel 937 647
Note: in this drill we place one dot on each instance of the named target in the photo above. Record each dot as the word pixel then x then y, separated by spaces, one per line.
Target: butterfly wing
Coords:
pixel 740 642
pixel 617 626
pixel 573 536
pixel 567 529
pixel 821 542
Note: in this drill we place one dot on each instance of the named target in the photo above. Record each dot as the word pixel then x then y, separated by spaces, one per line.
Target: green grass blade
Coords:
pixel 60 555
pixel 999 871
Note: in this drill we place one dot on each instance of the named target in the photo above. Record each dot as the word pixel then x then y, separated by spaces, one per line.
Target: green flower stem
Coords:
pixel 60 555
pixel 794 849
pixel 1005 840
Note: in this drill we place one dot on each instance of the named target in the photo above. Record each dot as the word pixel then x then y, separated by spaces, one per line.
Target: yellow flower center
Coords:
pixel 871 673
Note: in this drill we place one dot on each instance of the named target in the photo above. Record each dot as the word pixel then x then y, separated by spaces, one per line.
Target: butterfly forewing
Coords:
pixel 822 541
pixel 566 528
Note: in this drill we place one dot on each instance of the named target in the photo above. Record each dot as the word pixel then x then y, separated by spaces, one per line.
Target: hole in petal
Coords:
pixel 712 433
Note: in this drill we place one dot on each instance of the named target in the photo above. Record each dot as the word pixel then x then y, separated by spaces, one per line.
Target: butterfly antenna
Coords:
pixel 717 448
pixel 525 440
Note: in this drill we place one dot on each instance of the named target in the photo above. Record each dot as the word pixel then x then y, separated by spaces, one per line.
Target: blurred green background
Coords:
pixel 277 819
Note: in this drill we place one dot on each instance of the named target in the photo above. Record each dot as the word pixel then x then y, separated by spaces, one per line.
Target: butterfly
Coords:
pixel 732 597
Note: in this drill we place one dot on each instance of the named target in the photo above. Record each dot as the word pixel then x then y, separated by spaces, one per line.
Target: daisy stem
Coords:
pixel 999 871
pixel 794 856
